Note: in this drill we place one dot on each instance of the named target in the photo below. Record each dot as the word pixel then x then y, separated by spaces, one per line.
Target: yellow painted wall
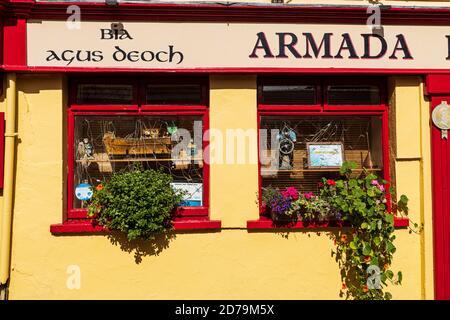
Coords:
pixel 2 109
pixel 230 264
pixel 413 173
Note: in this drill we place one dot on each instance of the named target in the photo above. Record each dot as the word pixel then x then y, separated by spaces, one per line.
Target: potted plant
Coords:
pixel 139 203
pixel 278 203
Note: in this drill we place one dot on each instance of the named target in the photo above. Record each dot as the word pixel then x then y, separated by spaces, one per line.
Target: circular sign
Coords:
pixel 441 116
pixel 286 146
pixel 84 191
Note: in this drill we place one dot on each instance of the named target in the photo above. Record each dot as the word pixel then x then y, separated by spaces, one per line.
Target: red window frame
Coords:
pixel 324 110
pixel 76 220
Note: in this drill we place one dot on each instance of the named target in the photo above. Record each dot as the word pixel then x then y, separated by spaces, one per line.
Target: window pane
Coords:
pixel 104 94
pixel 289 94
pixel 107 144
pixel 181 94
pixel 288 165
pixel 353 95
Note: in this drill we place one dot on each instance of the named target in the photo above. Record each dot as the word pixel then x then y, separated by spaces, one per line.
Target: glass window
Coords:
pixel 104 94
pixel 289 94
pixel 353 95
pixel 287 161
pixel 107 144
pixel 175 94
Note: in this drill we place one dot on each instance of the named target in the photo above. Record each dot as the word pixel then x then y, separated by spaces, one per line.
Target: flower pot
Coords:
pixel 281 217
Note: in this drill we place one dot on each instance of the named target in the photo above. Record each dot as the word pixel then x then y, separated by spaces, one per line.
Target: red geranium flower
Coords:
pixel 331 182
pixel 293 193
pixel 99 187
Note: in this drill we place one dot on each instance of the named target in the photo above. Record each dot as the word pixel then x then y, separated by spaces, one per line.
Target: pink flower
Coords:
pixel 285 194
pixel 309 195
pixel 293 193
pixel 378 185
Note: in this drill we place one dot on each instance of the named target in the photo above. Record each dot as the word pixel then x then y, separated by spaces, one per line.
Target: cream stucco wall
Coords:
pixel 230 264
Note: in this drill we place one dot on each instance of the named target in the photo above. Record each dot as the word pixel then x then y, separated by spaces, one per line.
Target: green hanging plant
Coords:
pixel 139 203
pixel 365 244
pixel 364 253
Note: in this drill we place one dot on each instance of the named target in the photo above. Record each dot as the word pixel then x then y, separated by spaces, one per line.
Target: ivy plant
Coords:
pixel 365 244
pixel 138 202
pixel 365 252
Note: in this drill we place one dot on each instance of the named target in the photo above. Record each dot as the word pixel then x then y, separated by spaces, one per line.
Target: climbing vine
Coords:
pixel 365 243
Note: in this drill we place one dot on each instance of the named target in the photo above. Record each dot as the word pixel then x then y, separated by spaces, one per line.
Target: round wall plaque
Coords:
pixel 441 118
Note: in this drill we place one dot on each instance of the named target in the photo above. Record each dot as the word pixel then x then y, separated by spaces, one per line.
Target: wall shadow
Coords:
pixel 141 248
pixel 346 269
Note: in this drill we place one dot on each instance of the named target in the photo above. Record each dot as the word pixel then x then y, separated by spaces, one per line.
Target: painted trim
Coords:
pixel 437 84
pixel 302 110
pixel 267 223
pixel 440 157
pixel 137 108
pixel 20 10
pixel 15 43
pixel 216 12
pixel 74 227
pixel 316 71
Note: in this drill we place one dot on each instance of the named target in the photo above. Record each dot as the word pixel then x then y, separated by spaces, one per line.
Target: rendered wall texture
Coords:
pixel 231 264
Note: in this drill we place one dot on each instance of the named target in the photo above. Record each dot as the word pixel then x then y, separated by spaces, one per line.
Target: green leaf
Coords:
pixel 353 245
pixel 374 261
pixel 364 225
pixel 377 241
pixel 367 250
pixel 390 247
pixel 387 296
pixel 389 219
pixel 389 274
pixel 399 277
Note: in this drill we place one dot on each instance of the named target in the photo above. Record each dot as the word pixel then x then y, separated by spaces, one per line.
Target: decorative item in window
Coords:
pixel 151 133
pixel 182 161
pixel 323 155
pixel 153 144
pixel 286 138
pixel 192 147
pixel 193 193
pixel 84 191
pixel 85 151
pixel 172 129
pixel 103 162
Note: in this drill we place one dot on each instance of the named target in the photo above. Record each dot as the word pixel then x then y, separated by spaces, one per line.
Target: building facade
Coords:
pixel 83 79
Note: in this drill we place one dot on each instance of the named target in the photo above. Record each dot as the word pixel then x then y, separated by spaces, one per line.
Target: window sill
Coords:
pixel 267 223
pixel 80 226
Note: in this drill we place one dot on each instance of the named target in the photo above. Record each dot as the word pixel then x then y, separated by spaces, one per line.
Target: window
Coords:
pixel 353 95
pixel 114 124
pixel 114 94
pixel 346 117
